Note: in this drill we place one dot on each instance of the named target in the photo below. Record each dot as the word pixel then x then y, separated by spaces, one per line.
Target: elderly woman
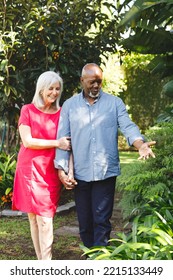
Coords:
pixel 36 185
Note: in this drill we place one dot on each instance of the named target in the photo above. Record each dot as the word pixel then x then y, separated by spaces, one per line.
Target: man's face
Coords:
pixel 92 82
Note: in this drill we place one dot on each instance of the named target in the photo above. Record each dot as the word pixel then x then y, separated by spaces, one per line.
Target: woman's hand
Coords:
pixel 28 141
pixel 64 143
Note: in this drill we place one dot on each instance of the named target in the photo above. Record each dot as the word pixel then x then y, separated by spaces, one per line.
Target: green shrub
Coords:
pixel 150 238
pixel 7 169
pixel 142 181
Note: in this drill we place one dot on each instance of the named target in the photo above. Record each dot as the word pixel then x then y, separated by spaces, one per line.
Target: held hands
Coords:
pixel 145 151
pixel 67 180
pixel 64 143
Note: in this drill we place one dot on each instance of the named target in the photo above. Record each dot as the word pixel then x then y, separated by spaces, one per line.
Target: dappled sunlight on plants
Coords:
pixel 151 238
pixel 7 169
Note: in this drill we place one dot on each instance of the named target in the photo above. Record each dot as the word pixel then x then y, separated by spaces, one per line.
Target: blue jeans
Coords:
pixel 94 206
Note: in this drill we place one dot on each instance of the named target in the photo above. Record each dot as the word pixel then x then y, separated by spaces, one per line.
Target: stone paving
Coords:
pixel 117 223
pixel 72 229
pixel 62 208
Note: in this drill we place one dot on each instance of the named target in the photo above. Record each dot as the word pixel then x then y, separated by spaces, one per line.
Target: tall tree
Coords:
pixel 41 35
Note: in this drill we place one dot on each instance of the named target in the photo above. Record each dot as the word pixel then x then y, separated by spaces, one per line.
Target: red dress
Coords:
pixel 36 184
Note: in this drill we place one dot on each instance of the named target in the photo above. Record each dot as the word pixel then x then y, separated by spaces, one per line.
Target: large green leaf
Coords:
pixel 149 23
pixel 150 42
pixel 138 7
pixel 168 89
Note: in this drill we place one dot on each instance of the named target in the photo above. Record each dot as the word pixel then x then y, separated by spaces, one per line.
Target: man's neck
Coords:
pixel 90 100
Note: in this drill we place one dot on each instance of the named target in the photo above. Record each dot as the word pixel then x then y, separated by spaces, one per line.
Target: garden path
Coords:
pixel 116 220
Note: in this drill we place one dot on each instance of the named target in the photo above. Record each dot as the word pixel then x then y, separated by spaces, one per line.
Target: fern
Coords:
pixel 143 181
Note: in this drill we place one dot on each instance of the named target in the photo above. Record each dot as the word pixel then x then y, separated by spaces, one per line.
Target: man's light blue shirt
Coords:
pixel 94 135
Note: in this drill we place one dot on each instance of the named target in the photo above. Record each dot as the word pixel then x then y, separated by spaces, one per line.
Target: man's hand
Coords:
pixel 144 148
pixel 145 151
pixel 68 182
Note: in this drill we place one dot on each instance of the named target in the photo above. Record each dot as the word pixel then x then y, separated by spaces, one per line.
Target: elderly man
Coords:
pixel 92 119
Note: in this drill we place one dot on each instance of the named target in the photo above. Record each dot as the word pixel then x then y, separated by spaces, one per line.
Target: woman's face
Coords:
pixel 51 94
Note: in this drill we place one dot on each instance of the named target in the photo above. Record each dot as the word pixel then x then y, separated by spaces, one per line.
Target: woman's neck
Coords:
pixel 52 108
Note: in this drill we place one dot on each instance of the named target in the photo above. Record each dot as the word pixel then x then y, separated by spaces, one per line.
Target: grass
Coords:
pixel 15 237
pixel 16 242
pixel 128 157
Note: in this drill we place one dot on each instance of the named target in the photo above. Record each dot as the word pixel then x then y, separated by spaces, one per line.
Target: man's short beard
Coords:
pixel 93 95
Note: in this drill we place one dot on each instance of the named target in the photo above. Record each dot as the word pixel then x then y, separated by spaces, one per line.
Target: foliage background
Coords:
pixel 58 35
pixel 143 92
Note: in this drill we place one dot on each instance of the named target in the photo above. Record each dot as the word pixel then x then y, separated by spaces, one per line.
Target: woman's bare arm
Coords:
pixel 28 141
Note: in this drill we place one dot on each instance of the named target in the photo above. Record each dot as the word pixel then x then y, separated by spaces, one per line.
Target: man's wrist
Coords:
pixel 61 173
pixel 138 143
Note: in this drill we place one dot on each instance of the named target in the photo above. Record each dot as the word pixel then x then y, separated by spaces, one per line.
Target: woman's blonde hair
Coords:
pixel 45 80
